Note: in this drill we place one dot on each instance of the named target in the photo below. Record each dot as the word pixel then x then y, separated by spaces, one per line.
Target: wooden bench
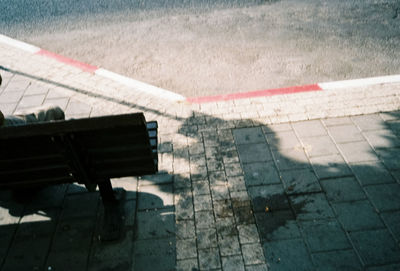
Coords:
pixel 89 151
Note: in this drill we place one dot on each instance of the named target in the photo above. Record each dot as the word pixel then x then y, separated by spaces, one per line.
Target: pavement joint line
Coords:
pixel 169 95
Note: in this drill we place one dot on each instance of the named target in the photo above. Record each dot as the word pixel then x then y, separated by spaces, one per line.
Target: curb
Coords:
pixel 140 86
pixel 298 89
pixel 163 93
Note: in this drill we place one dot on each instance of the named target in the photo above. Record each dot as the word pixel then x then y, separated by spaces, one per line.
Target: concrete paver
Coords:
pixel 293 182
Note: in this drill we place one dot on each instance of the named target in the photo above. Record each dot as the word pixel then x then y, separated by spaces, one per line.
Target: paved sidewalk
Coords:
pixel 306 181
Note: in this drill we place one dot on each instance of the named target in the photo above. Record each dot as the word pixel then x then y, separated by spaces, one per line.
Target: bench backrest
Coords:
pixel 81 150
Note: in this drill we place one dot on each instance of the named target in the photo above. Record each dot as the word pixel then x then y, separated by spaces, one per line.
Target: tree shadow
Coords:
pixel 294 179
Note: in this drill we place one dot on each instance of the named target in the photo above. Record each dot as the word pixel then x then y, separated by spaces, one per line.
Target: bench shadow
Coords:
pixel 59 228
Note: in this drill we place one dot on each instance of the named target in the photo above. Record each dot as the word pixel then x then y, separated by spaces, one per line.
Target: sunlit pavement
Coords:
pixel 305 181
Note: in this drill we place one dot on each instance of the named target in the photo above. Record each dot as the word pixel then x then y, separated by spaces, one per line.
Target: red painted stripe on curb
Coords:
pixel 253 94
pixel 69 61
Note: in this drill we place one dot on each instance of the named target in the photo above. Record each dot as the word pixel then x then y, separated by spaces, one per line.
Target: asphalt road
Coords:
pixel 208 47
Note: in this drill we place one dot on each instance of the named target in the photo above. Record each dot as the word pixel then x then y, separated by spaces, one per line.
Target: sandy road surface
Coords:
pixel 204 47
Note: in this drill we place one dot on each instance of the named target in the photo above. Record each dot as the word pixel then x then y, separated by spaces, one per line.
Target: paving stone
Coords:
pixel 324 235
pixel 248 135
pixel 102 253
pixel 382 139
pixel 220 192
pixel 233 170
pixel 376 247
pixel 182 181
pixel 254 153
pixel 19 259
pixel 78 108
pixel 40 224
pixel 369 122
pixel 222 208
pixel 288 255
pixel 159 178
pixel 206 238
pixel 201 188
pixel 371 173
pixel 248 234
pixel 187 264
pixel 202 203
pixel 229 245
pixel 275 128
pixel 345 133
pixel 394 126
pixel 385 196
pixel 342 189
pixel 336 260
pixel 80 205
pixel 355 152
pixel 258 267
pixel 261 173
pixel 67 260
pixel 389 267
pixel 300 181
pixel 358 215
pixel 204 219
pixel 8 108
pixel 31 101
pixel 73 234
pixel 183 205
pixel 244 215
pixel 159 254
pixel 253 254
pixel 283 140
pixel 319 146
pixel 155 223
pixel 271 196
pixel 219 177
pixel 311 207
pixel 226 226
pixel 392 220
pixel 291 159
pixel 185 229
pixel 209 259
pixel 233 263
pixel 230 157
pixel 337 121
pixel 186 249
pixel 277 225
pixel 155 196
pixel 236 183
pixel 309 128
pixel 11 96
pixel 116 264
pixel 330 166
pixel 390 157
pixel 214 165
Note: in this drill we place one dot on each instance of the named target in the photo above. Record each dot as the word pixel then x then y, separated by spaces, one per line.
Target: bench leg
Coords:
pixel 113 213
pixel 106 192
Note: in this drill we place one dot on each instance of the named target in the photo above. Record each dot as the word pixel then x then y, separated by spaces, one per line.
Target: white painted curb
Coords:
pixel 19 44
pixel 140 86
pixel 360 82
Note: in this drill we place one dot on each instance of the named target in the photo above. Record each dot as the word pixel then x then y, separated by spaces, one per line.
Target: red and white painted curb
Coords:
pixel 159 92
pixel 298 89
pixel 137 85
